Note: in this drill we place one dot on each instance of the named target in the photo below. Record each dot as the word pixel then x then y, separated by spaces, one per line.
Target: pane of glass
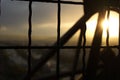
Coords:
pixel 13 22
pixel 44 24
pixel 46 70
pixel 67 57
pixel 70 14
pixel 91 27
pixel 13 64
pixel 73 41
pixel 66 62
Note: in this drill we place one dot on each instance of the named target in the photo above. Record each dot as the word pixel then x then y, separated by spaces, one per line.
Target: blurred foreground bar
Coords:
pixel 55 1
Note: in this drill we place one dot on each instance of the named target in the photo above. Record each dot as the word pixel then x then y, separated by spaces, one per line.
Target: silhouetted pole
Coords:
pixel 119 30
pixel 93 60
pixel 118 59
pixel 77 54
pixel 80 23
pixel 29 39
pixel 58 41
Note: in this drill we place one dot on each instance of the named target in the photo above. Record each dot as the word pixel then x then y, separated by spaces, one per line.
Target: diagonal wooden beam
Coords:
pixel 93 60
pixel 79 25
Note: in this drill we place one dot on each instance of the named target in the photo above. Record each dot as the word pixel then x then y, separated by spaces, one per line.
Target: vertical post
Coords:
pixel 92 65
pixel 107 40
pixel 63 40
pixel 119 28
pixel 118 59
pixel 29 37
pixel 84 54
pixel 108 14
pixel 76 57
pixel 58 42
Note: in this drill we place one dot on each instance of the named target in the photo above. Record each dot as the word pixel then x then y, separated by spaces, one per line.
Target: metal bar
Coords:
pixel 63 40
pixel 55 1
pixel 76 57
pixel 50 47
pixel 45 59
pixel 84 54
pixel 108 15
pixel 29 38
pixel 95 49
pixel 58 41
pixel 119 30
pixel 107 40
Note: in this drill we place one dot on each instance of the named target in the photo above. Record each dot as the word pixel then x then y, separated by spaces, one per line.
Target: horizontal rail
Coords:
pixel 53 1
pixel 50 47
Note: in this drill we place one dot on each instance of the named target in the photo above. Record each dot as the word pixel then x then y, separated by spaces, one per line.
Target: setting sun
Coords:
pixel 112 24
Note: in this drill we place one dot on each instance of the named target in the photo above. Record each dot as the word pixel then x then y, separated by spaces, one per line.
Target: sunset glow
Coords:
pixel 112 24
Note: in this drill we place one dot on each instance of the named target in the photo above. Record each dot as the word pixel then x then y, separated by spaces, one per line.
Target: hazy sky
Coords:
pixel 14 18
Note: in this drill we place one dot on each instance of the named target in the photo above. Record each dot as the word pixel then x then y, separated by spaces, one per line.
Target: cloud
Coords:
pixel 3 28
pixel 15 17
pixel 15 13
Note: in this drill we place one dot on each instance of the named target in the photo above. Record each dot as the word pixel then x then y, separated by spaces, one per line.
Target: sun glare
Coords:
pixel 112 24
